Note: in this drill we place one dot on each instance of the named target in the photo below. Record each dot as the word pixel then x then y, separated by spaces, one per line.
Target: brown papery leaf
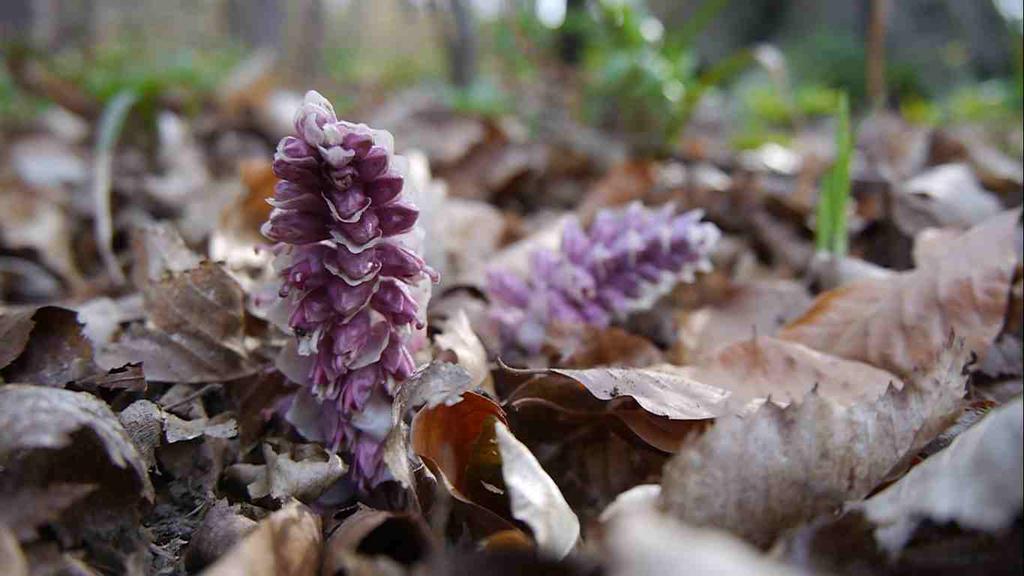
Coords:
pixel 57 352
pixel 977 482
pixel 287 543
pixel 761 474
pixel 734 379
pixel 436 384
pixel 901 323
pixel 754 309
pixel 456 438
pixel 371 541
pixel 203 303
pixel 15 326
pixel 457 336
pixel 784 372
pixel 535 498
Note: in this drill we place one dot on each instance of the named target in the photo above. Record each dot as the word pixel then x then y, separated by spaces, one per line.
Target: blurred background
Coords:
pixel 119 109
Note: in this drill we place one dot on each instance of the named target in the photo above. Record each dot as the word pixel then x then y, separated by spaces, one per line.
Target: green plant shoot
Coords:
pixel 830 232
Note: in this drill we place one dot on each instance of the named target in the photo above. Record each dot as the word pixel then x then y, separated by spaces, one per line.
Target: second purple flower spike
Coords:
pixel 622 263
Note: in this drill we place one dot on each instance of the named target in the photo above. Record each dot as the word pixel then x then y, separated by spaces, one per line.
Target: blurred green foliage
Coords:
pixel 185 75
pixel 830 232
pixel 641 80
pixel 15 105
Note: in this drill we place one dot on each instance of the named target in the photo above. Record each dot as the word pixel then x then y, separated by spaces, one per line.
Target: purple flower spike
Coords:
pixel 626 260
pixel 347 256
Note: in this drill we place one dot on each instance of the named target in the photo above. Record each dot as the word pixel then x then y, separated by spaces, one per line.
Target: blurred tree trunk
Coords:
pixel 307 44
pixel 257 23
pixel 59 24
pixel 462 43
pixel 876 53
pixel 15 20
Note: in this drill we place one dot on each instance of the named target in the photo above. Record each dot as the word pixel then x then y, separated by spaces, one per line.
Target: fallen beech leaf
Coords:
pixel 457 335
pixel 734 379
pixel 458 446
pixel 25 509
pixel 901 324
pixel 784 372
pixel 652 544
pixel 535 498
pixel 457 440
pixel 370 537
pixel 662 390
pixel 287 543
pixel 223 526
pixel 173 357
pixel 203 303
pixel 622 184
pixel 15 326
pixel 36 418
pixel 754 309
pixel 300 471
pixel 766 472
pixel 57 352
pixel 586 347
pixel 436 384
pixel 977 482
pixel 943 196
pixel 53 438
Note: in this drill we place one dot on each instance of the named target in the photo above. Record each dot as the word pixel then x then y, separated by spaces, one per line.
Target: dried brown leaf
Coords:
pixel 977 482
pixel 457 336
pixel 650 544
pixel 223 526
pixel 300 471
pixel 287 543
pixel 902 323
pixel 15 326
pixel 535 498
pixel 370 541
pixel 766 472
pixel 754 309
pixel 436 384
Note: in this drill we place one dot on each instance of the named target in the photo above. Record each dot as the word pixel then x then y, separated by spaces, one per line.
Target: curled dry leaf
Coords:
pixel 56 438
pixel 734 379
pixel 766 472
pixel 59 351
pixel 195 310
pixel 535 498
pixel 946 195
pixel 374 541
pixel 286 543
pixel 646 543
pixel 902 323
pixel 457 336
pixel 300 471
pixel 977 482
pixel 12 559
pixel 223 526
pixel 439 383
pixel 458 446
pixel 37 419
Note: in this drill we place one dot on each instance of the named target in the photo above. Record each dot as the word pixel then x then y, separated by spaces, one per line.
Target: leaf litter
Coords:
pixel 783 404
